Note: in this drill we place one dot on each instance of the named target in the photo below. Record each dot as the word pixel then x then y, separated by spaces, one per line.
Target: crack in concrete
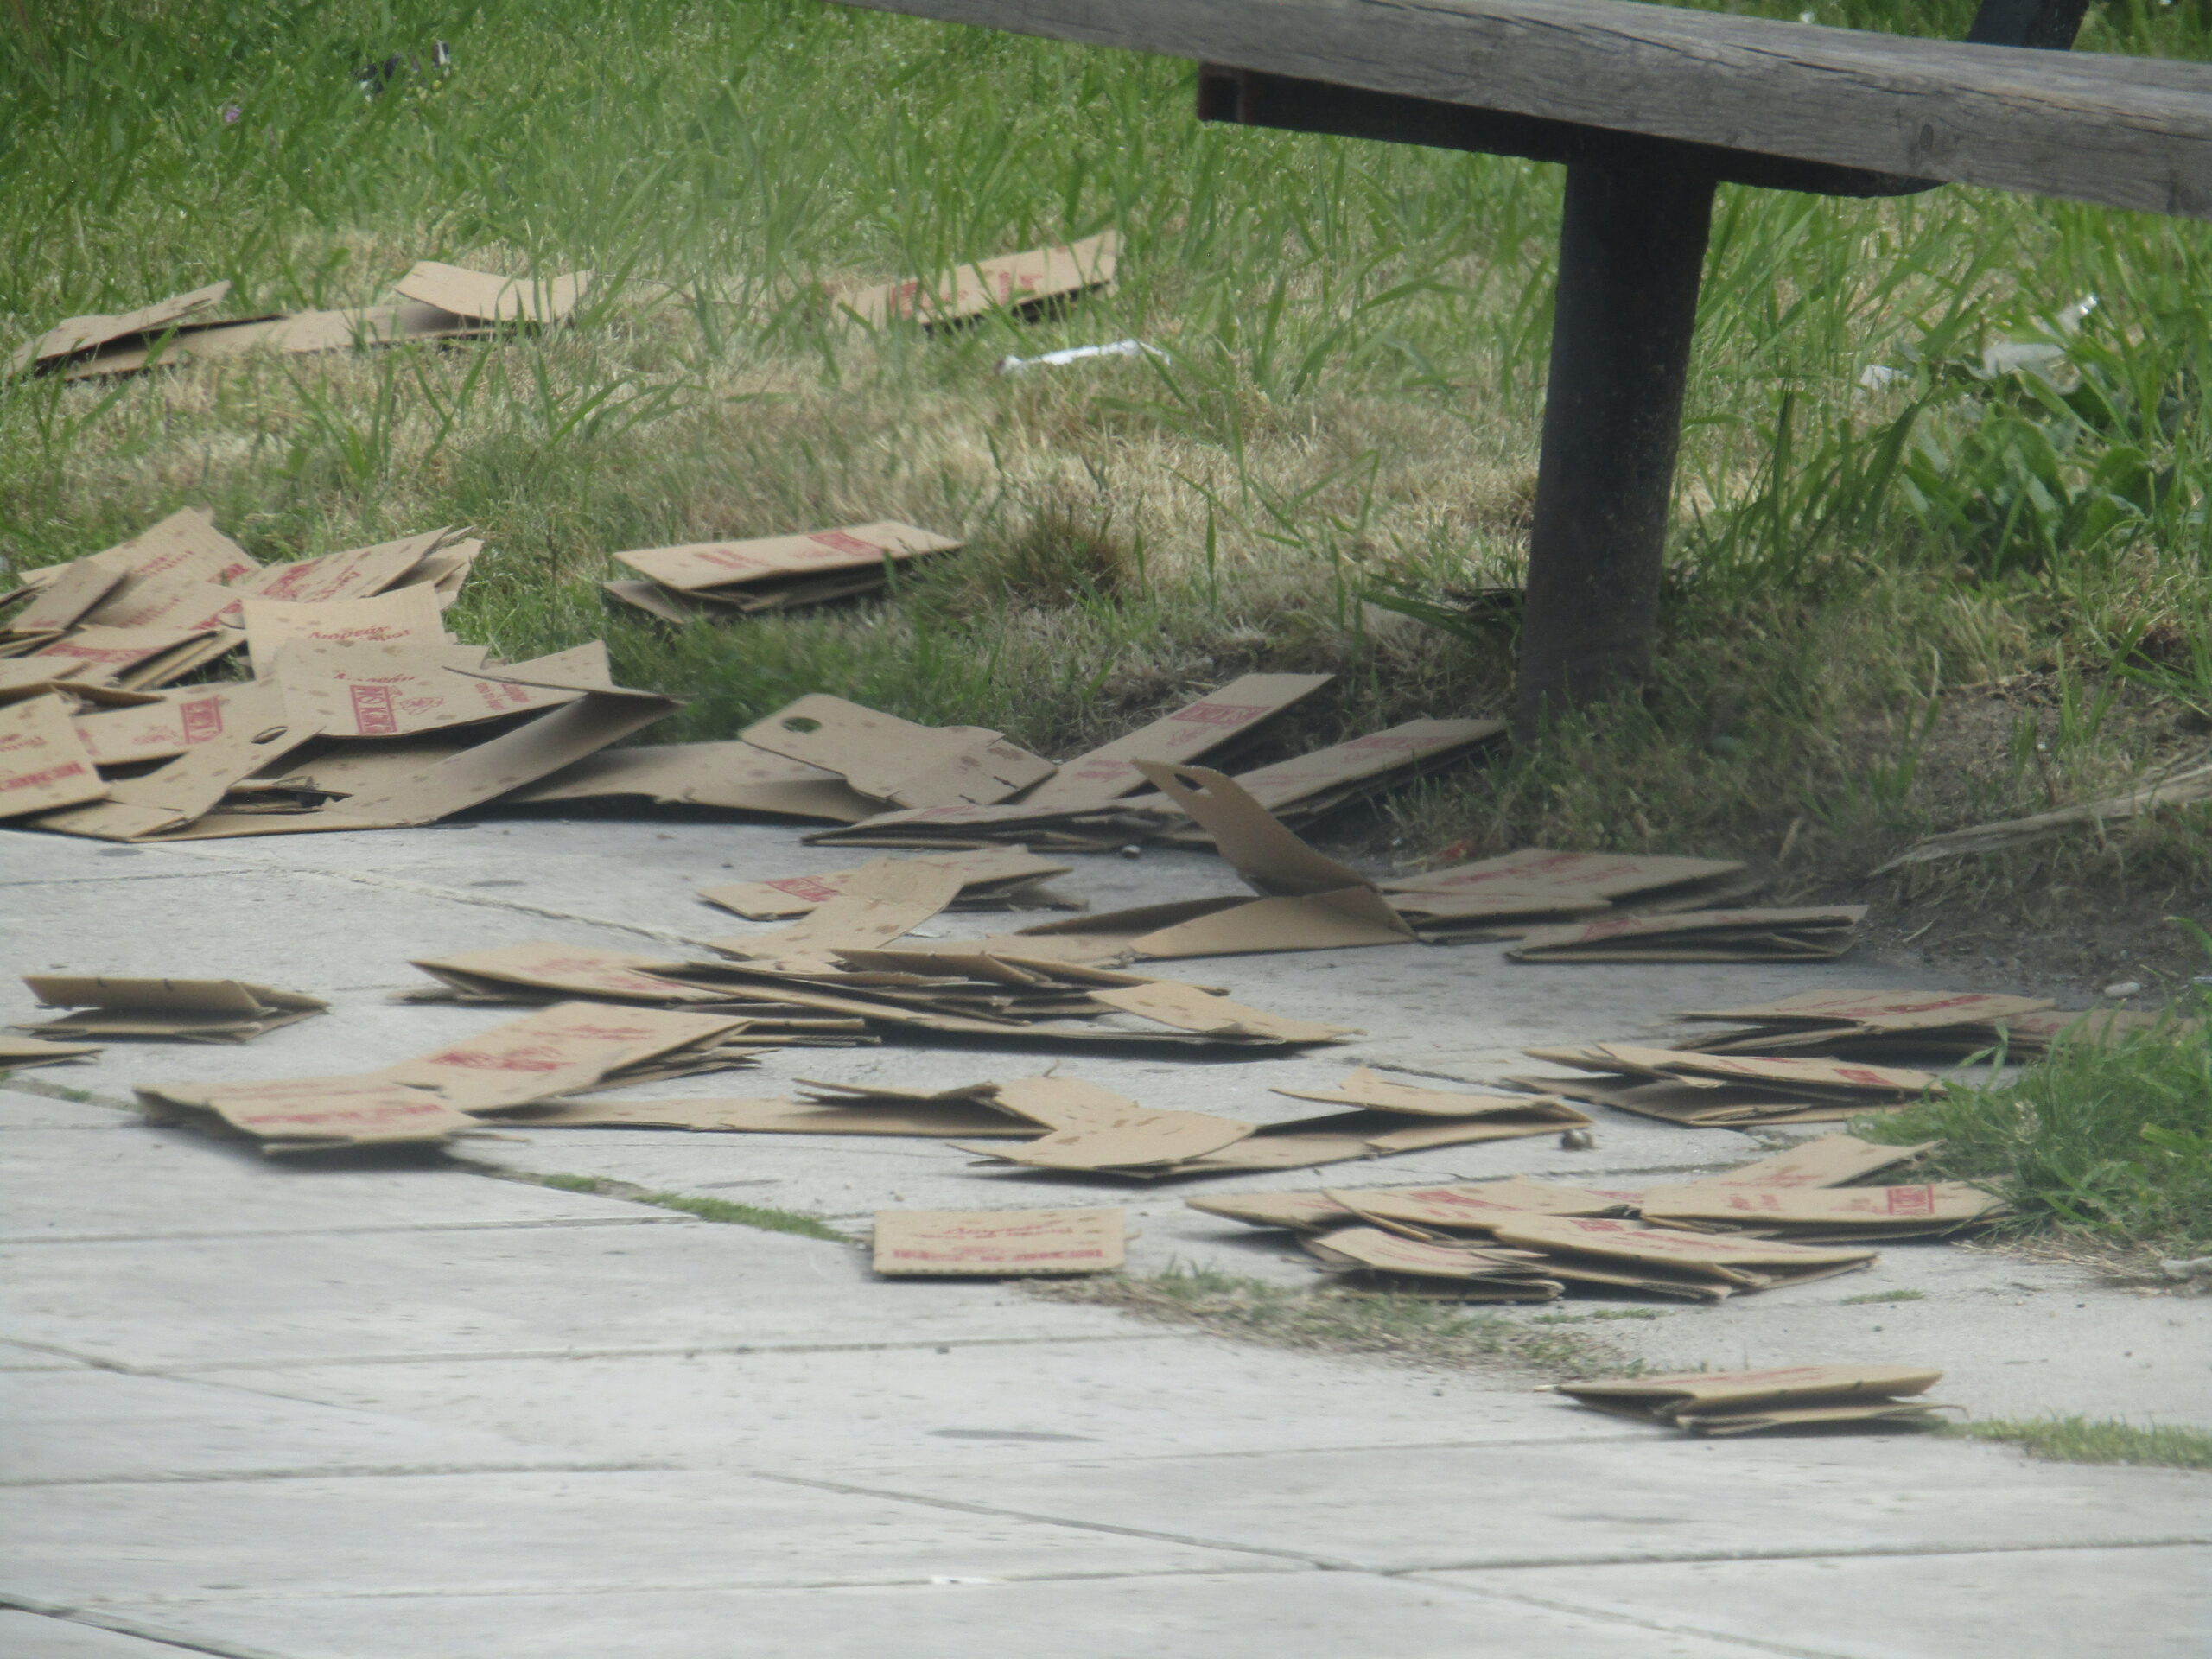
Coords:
pixel 136 1629
pixel 666 1218
pixel 685 1352
pixel 335 1472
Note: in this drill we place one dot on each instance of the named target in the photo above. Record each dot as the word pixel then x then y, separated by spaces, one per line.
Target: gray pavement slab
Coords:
pixel 1557 1504
pixel 505 1535
pixel 20 1109
pixel 2146 1604
pixel 33 1636
pixel 15 1357
pixel 1247 1616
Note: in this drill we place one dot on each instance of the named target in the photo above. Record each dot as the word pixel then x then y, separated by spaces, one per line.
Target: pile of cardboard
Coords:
pixel 1503 896
pixel 434 302
pixel 774 573
pixel 1807 933
pixel 1721 1090
pixel 170 1010
pixel 1881 1025
pixel 1743 1403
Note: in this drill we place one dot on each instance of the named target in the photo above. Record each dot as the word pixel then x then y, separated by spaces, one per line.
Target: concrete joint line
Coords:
pixel 1861 1552
pixel 390 1472
pixel 347 1232
pixel 1606 1616
pixel 131 1627
pixel 1301 1558
pixel 687 1351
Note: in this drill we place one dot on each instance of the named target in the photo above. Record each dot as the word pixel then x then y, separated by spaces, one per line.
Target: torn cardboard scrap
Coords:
pixel 18 1053
pixel 997 1244
pixel 1227 715
pixel 1019 283
pixel 990 879
pixel 1811 933
pixel 895 760
pixel 771 573
pixel 177 1010
pixel 1737 1402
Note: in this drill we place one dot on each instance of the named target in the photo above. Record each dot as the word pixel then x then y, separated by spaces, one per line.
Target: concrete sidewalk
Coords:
pixel 423 1413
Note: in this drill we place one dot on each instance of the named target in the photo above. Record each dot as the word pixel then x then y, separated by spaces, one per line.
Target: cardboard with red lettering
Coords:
pixel 173 601
pixel 364 688
pixel 75 337
pixel 159 729
pixel 1019 283
pixel 1297 1212
pixel 990 879
pixel 1370 1258
pixel 57 605
pixel 136 658
pixel 1476 1208
pixel 356 573
pixel 563 1050
pixel 880 902
pixel 774 572
pixel 185 544
pixel 1108 1134
pixel 318 1113
pixel 997 1244
pixel 1814 1215
pixel 1735 1402
pixel 731 775
pixel 1699 1104
pixel 895 760
pixel 1825 1160
pixel 43 763
pixel 1807 933
pixel 173 1010
pixel 1231 713
pixel 402 618
pixel 1729 1263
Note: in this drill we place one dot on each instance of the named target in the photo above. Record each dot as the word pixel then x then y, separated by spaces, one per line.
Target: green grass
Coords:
pixel 1887 613
pixel 764 1216
pixel 2095 1439
pixel 1410 1329
pixel 1881 1296
pixel 2105 1141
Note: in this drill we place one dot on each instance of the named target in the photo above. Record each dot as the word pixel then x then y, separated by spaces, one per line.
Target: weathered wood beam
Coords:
pixel 2123 132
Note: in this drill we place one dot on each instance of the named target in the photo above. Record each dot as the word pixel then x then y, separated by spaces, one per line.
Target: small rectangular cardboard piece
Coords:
pixel 988 877
pixel 193 1010
pixel 1740 1263
pixel 1111 1135
pixel 313 1112
pixel 1011 282
pixel 1594 876
pixel 720 570
pixel 1827 1160
pixel 997 1244
pixel 484 297
pixel 43 763
pixel 1940 1206
pixel 401 616
pixel 1110 772
pixel 74 335
pixel 1666 1397
pixel 896 761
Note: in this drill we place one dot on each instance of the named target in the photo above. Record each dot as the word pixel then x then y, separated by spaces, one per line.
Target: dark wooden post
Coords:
pixel 1631 254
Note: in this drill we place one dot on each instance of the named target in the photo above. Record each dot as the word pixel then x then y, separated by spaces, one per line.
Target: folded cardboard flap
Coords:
pixel 1826 1161
pixel 74 335
pixel 484 297
pixel 995 1243
pixel 896 761
pixel 880 902
pixel 1012 282
pixel 1231 714
pixel 988 877
pixel 733 775
pixel 1300 1212
pixel 216 1010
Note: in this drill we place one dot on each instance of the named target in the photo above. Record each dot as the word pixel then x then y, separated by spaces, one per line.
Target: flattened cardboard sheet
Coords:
pixel 1014 282
pixel 1888 1211
pixel 1476 1207
pixel 1189 1008
pixel 74 336
pixel 558 971
pixel 16 1052
pixel 357 572
pixel 59 604
pixel 132 657
pixel 1807 933
pixel 1297 1212
pixel 561 1050
pixel 880 902
pixel 1739 1263
pixel 933 1119
pixel 310 1113
pixel 1667 1398
pixel 43 762
pixel 732 775
pixel 1326 777
pixel 362 688
pixel 157 729
pixel 403 616
pixel 1700 1104
pixel 1499 1274
pixel 482 296
pixel 1826 1161
pixel 896 761
pixel 990 878
pixel 997 1244
pixel 185 544
pixel 1591 875
pixel 188 1010
pixel 172 602
pixel 707 568
pixel 1231 714
pixel 1126 1139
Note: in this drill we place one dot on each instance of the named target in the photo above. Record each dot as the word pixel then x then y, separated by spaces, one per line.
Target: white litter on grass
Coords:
pixel 1077 354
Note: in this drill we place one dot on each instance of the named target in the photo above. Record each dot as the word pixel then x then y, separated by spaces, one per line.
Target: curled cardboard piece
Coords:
pixel 1233 712
pixel 186 1010
pixel 895 760
pixel 732 775
pixel 774 572
pixel 315 1114
pixel 76 336
pixel 43 763
pixel 563 1050
pixel 481 296
pixel 555 972
pixel 1701 1263
pixel 1015 282
pixel 1807 933
pixel 997 1244
pixel 879 902
pixel 1843 1213
pixel 990 879
pixel 1724 1402
pixel 1377 1260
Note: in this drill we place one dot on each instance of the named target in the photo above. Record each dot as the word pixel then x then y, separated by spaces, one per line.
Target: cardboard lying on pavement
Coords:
pixel 1232 713
pixel 1810 1078
pixel 19 1052
pixel 731 775
pixel 880 902
pixel 1840 1212
pixel 174 602
pixel 1831 1021
pixel 1826 1161
pixel 1733 1263
pixel 1593 876
pixel 159 729
pixel 1300 1212
pixel 74 336
pixel 736 572
pixel 1112 1135
pixel 551 972
pixel 1489 1275
pixel 1725 1401
pixel 1699 1104
pixel 1812 933
pixel 834 1110
pixel 990 878
pixel 896 761
pixel 1478 1207
pixel 1191 1007
pixel 43 762
pixel 189 1010
pixel 311 1113
pixel 1013 282
pixel 562 1049
pixel 997 1244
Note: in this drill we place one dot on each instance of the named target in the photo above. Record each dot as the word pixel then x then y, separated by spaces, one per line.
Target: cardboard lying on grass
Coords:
pixel 43 763
pixel 185 543
pixel 484 297
pixel 732 775
pixel 895 760
pixel 997 1244
pixel 181 1010
pixel 1373 1259
pixel 1015 282
pixel 359 572
pixel 1735 1402
pixel 1475 1208
pixel 55 606
pixel 1664 1259
pixel 1809 933
pixel 1826 1161
pixel 989 878
pixel 567 1049
pixel 1858 1022
pixel 75 336
pixel 366 688
pixel 315 1114
pixel 16 1052
pixel 772 573
pixel 1807 1214
pixel 408 616
pixel 880 902
pixel 1231 714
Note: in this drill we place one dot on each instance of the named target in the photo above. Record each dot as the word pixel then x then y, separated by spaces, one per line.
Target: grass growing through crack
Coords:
pixel 1884 1296
pixel 764 1216
pixel 2107 1141
pixel 1889 610
pixel 2094 1439
pixel 1408 1328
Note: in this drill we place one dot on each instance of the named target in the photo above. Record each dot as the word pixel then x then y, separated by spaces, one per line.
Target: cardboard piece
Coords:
pixel 544 972
pixel 833 1109
pixel 989 878
pixel 1297 1212
pixel 366 689
pixel 1476 1207
pixel 1191 1008
pixel 1019 283
pixel 1812 933
pixel 174 602
pixel 181 1010
pixel 1700 1263
pixel 1593 875
pixel 1805 1077
pixel 564 1049
pixel 160 727
pixel 1842 1214
pixel 75 336
pixel 1306 785
pixel 17 1053
pixel 773 573
pixel 896 761
pixel 1869 1023
pixel 1826 1161
pixel 997 1244
pixel 43 763
pixel 731 775
pixel 357 572
pixel 480 296
pixel 1696 1105
pixel 1724 1402
pixel 134 659
pixel 315 1114
pixel 1373 1259
pixel 1103 1134
pixel 59 605
pixel 1231 714
pixel 880 902
pixel 408 615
